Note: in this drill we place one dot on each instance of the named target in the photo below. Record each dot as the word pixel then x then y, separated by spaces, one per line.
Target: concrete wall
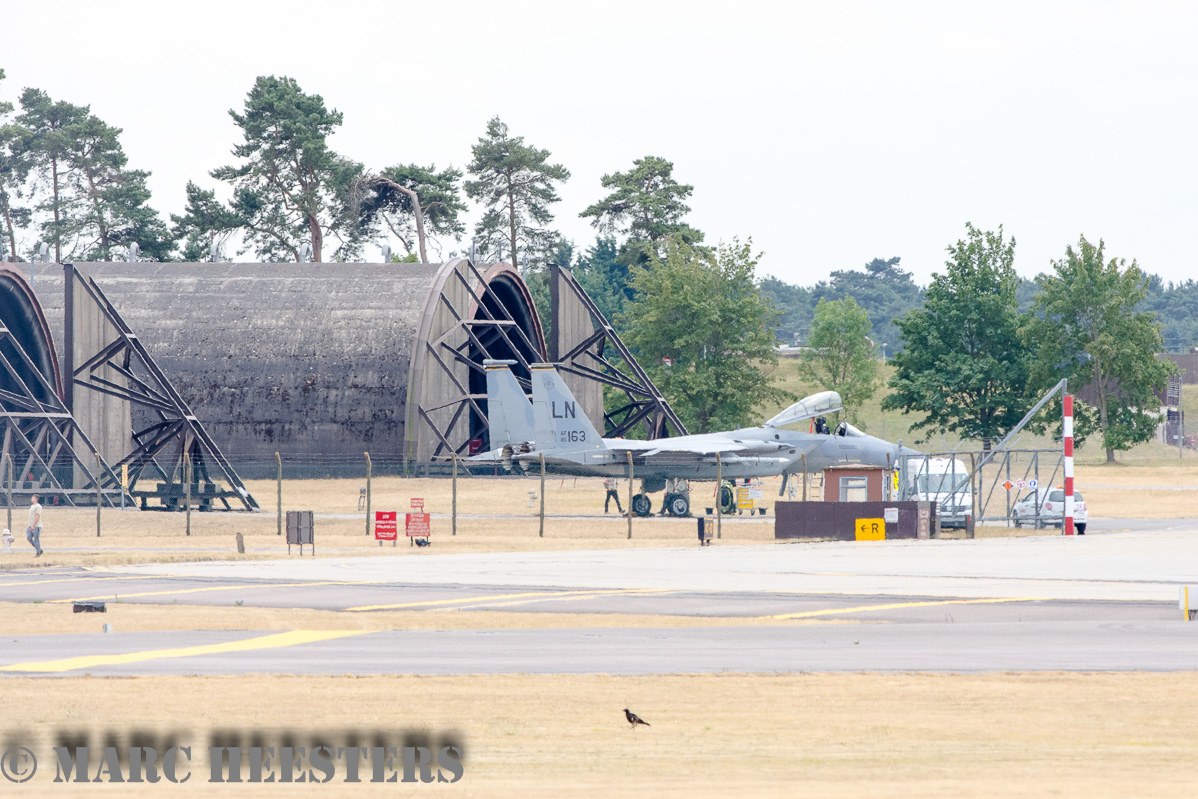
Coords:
pixel 316 361
pixel 304 359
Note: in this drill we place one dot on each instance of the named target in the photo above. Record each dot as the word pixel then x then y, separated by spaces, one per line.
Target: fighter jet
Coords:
pixel 566 439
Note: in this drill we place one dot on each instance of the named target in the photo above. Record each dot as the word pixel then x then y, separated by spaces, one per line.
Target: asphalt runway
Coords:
pixel 1105 602
pixel 1006 646
pixel 67 586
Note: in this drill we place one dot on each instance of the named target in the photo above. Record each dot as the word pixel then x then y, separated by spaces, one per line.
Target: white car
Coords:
pixel 1052 509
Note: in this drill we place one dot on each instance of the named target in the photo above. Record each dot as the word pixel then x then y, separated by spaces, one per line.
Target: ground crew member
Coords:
pixel 34 531
pixel 610 484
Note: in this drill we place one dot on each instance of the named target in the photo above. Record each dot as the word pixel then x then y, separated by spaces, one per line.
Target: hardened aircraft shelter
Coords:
pixel 229 363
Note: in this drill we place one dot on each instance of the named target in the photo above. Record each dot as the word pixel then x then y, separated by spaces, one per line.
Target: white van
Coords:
pixel 944 481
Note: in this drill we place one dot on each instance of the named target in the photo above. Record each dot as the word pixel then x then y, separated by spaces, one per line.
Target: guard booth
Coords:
pixel 856 506
pixel 855 484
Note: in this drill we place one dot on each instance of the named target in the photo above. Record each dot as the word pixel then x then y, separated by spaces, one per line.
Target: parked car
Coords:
pixel 1052 509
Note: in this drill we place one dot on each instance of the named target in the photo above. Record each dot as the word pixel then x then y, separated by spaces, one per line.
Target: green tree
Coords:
pixel 704 332
pixel 597 270
pixel 884 290
pixel 204 223
pixel 646 205
pixel 291 187
pixel 963 364
pixel 113 210
pixel 14 171
pixel 93 202
pixel 414 203
pixel 515 185
pixel 50 130
pixel 1084 326
pixel 841 357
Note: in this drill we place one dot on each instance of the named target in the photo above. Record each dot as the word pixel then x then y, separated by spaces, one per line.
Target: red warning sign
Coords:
pixel 386 525
pixel 417 503
pixel 418 525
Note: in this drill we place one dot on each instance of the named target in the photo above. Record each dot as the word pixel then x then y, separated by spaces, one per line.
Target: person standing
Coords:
pixel 34 531
pixel 610 484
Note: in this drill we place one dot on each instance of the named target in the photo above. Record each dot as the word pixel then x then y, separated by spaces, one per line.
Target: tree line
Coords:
pixel 970 351
pixel 887 293
pixel 693 312
pixel 973 361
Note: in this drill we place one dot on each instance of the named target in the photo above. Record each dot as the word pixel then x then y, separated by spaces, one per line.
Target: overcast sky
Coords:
pixel 829 133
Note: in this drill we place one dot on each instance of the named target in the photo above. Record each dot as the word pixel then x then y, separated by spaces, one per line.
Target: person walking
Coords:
pixel 610 484
pixel 34 531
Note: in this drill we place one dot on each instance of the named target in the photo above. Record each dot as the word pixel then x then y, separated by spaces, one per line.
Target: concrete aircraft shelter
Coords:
pixel 320 362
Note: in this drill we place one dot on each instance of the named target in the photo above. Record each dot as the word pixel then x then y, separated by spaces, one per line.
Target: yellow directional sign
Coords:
pixel 871 529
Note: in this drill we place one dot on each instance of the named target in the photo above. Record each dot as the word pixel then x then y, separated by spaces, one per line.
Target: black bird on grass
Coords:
pixel 634 719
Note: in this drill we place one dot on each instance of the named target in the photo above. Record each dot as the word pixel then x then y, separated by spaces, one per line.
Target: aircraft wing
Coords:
pixel 713 448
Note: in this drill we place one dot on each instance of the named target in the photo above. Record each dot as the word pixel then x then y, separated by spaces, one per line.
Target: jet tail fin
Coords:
pixel 509 413
pixel 561 422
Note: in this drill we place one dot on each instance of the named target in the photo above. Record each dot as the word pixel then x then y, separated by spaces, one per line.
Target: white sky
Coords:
pixel 830 133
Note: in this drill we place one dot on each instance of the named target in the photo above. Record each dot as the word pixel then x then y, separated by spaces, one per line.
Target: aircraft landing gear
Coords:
pixel 727 499
pixel 642 505
pixel 677 505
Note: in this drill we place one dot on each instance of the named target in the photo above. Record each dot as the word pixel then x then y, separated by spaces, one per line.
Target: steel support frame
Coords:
pixel 645 405
pixel 176 434
pixel 486 328
pixel 37 435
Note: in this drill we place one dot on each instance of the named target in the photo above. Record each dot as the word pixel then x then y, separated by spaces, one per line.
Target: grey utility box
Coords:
pixel 299 530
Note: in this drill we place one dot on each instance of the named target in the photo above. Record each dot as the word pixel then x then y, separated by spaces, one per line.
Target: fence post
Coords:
pixel 99 500
pixel 629 454
pixel 455 494
pixel 8 488
pixel 187 479
pixel 542 456
pixel 973 500
pixel 719 488
pixel 368 468
pixel 804 459
pixel 279 506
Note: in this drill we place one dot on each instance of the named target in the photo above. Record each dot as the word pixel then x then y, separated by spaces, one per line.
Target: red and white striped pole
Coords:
pixel 1067 429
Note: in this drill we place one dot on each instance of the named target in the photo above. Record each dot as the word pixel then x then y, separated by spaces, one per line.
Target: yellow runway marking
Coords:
pixel 498 597
pixel 580 598
pixel 899 605
pixel 263 642
pixel 242 587
pixel 6 583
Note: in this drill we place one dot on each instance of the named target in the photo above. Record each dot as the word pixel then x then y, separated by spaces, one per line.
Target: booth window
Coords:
pixel 854 489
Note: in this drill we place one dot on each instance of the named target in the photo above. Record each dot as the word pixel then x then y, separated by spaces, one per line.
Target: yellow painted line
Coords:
pixel 6 583
pixel 900 605
pixel 263 642
pixel 499 597
pixel 243 587
pixel 580 598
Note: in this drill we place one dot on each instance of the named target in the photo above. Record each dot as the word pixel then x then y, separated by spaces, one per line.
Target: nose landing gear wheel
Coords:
pixel 642 505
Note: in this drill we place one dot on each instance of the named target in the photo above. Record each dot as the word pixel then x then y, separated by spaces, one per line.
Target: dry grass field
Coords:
pixel 867 735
